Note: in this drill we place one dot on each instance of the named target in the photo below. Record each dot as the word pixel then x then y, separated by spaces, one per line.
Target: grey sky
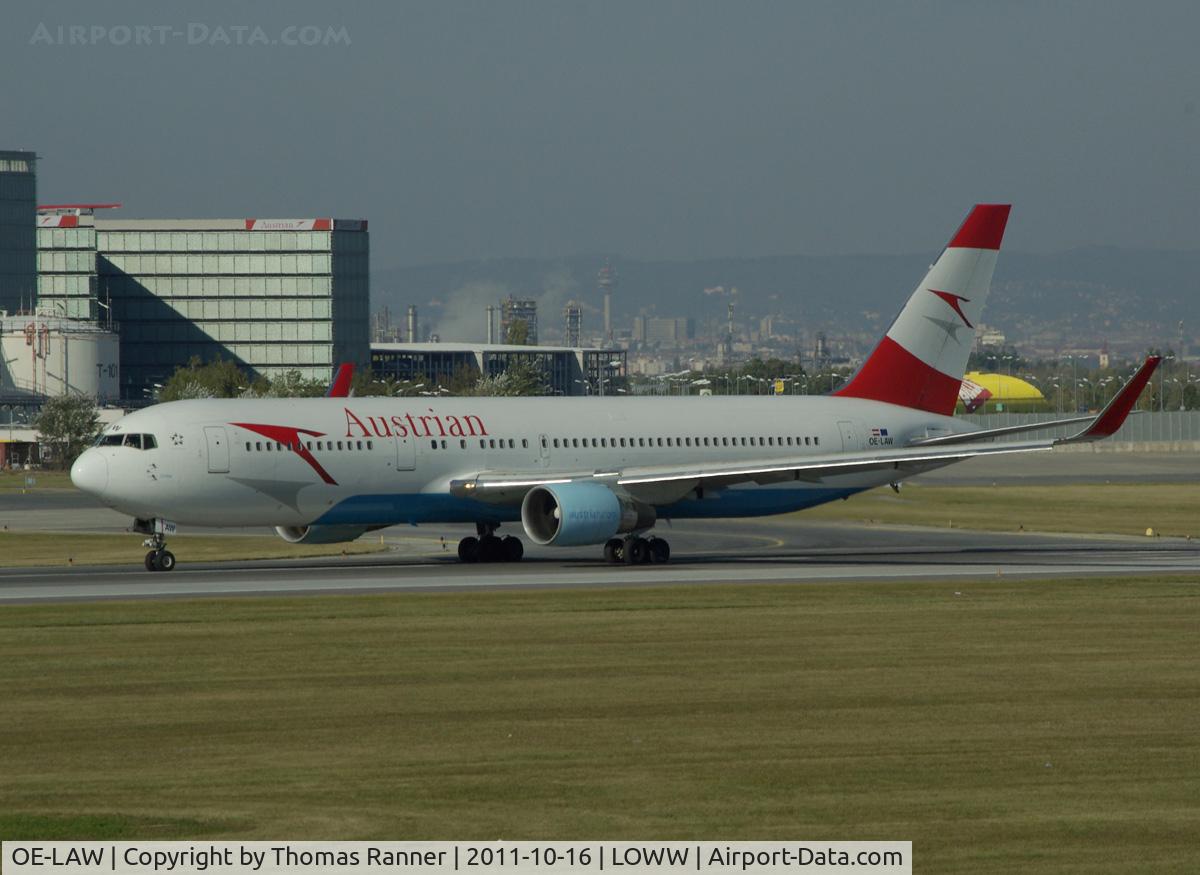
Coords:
pixel 650 129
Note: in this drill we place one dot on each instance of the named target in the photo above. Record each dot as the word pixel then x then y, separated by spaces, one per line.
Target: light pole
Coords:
pixel 1074 384
pixel 1162 383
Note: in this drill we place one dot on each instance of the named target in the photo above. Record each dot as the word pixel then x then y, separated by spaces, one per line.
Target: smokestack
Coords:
pixel 412 323
pixel 491 324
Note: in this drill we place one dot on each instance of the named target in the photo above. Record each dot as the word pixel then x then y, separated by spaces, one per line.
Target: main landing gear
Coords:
pixel 634 550
pixel 489 547
pixel 159 558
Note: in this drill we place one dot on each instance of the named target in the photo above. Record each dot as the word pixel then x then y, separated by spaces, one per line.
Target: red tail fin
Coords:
pixel 340 387
pixel 921 360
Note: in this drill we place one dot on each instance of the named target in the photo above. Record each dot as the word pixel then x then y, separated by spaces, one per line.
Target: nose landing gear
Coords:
pixel 159 558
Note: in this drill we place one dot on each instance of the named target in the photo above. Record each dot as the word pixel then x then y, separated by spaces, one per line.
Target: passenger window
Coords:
pixel 575 442
pixel 622 441
pixel 339 445
pixel 370 445
pixel 808 441
pixel 816 441
pixel 724 441
pixel 268 446
pixel 688 441
pixel 247 446
pixel 604 442
pixel 771 441
pixel 556 443
pixel 512 444
pixel 595 442
pixel 641 442
pixel 359 444
pixel 491 443
pixel 543 443
pixel 743 442
pixel 789 441
pixel 258 446
pixel 433 445
pixel 462 444
pixel 524 443
pixel 443 443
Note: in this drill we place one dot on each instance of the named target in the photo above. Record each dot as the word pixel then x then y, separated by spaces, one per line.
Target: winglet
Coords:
pixel 340 387
pixel 1112 417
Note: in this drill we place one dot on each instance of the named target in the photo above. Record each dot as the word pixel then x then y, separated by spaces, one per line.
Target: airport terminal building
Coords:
pixel 275 295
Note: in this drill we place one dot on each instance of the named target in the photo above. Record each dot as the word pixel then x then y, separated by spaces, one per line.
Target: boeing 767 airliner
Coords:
pixel 572 471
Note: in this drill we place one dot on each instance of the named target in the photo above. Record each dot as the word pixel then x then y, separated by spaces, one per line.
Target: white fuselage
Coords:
pixel 383 461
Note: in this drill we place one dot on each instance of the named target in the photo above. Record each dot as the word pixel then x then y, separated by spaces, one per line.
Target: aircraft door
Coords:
pixel 850 441
pixel 406 453
pixel 218 449
pixel 543 450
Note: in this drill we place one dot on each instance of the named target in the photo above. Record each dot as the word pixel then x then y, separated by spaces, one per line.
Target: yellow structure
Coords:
pixel 999 391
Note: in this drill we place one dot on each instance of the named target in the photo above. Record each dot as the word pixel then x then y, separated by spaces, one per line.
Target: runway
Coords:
pixel 775 549
pixel 745 551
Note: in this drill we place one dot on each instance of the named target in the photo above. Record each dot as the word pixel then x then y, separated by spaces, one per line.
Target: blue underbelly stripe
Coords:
pixel 416 508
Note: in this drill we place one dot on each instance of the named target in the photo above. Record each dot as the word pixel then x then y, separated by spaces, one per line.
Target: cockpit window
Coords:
pixel 136 441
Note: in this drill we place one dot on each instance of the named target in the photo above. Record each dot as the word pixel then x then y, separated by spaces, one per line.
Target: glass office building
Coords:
pixel 274 295
pixel 66 263
pixel 18 210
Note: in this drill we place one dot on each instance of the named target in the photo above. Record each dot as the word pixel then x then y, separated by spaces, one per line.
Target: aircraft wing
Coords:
pixel 661 484
pixel 1101 426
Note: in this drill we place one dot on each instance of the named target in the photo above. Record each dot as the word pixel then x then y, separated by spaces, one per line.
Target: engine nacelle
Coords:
pixel 319 534
pixel 573 514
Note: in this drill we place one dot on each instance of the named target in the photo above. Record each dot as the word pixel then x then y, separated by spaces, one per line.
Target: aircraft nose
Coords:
pixel 90 472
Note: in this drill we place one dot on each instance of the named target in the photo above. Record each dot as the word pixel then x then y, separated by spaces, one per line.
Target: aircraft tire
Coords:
pixel 660 551
pixel 636 552
pixel 491 549
pixel 513 549
pixel 612 550
pixel 164 560
pixel 151 565
pixel 468 549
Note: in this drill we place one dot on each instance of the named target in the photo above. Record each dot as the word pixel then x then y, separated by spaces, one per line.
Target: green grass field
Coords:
pixel 15 480
pixel 1168 508
pixel 30 549
pixel 1033 727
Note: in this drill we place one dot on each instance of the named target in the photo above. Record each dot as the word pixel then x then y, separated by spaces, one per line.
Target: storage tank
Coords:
pixel 50 356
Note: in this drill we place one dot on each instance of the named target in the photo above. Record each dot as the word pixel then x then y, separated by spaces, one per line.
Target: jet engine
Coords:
pixel 320 534
pixel 572 514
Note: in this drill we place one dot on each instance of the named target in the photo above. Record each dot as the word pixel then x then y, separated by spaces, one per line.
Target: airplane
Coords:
pixel 573 471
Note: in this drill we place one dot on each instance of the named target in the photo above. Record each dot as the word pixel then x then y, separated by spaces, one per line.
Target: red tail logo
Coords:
pixel 955 302
pixel 290 435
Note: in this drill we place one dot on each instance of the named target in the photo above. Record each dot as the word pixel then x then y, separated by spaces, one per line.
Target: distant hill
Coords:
pixel 1131 298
